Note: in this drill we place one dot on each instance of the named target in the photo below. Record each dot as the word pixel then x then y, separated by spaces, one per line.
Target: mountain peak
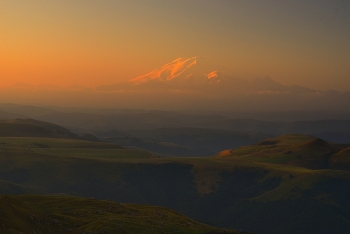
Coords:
pixel 170 71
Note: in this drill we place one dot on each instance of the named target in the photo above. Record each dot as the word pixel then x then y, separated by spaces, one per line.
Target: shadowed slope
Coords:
pixel 65 214
pixel 263 191
pixel 15 189
pixel 341 160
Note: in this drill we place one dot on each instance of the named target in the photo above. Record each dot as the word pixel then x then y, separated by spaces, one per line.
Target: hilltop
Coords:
pixel 35 128
pixel 299 150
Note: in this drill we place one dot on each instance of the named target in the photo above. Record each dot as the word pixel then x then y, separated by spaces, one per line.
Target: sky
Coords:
pixel 92 43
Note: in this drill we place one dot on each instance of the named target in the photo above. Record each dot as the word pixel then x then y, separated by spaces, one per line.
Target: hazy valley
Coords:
pixel 211 167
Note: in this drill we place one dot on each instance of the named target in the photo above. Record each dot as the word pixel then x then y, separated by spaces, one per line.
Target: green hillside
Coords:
pixel 66 214
pixel 33 128
pixel 298 150
pixel 340 160
pixel 28 148
pixel 249 188
pixel 36 128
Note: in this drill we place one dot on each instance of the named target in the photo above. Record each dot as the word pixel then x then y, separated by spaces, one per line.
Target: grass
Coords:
pixel 37 142
pixel 95 153
pixel 69 148
pixel 299 150
pixel 67 214
pixel 76 159
pixel 260 173
pixel 341 160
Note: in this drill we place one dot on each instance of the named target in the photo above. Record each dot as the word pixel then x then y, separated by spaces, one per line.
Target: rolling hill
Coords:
pixel 298 150
pixel 340 160
pixel 260 188
pixel 36 128
pixel 33 128
pixel 67 214
pixel 330 126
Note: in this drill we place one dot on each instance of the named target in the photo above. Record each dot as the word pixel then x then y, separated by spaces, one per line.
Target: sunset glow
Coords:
pixel 98 43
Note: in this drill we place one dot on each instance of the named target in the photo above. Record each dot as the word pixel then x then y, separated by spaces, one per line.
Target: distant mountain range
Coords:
pixel 36 128
pixel 170 133
pixel 188 74
pixel 184 83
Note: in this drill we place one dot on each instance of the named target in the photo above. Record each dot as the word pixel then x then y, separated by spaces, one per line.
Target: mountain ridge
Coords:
pixel 183 84
pixel 35 128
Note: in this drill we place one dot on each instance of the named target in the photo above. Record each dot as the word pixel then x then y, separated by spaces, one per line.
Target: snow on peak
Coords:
pixel 168 71
pixel 213 75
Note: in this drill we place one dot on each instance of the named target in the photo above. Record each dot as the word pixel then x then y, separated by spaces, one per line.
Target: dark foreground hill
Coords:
pixel 73 215
pixel 262 188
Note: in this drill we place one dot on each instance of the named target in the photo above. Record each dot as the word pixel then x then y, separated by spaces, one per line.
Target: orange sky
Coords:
pixel 93 43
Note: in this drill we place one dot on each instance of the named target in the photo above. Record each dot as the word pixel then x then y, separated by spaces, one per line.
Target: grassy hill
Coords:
pixel 66 214
pixel 46 148
pixel 33 128
pixel 340 160
pixel 36 128
pixel 261 188
pixel 299 150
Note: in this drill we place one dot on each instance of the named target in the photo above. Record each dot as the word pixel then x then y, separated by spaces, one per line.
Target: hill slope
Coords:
pixel 33 128
pixel 298 150
pixel 65 214
pixel 36 128
pixel 261 188
pixel 340 160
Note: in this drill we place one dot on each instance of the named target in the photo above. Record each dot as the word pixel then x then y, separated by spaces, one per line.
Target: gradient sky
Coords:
pixel 91 43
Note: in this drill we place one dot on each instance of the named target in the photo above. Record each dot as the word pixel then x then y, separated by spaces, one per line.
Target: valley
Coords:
pixel 252 181
pixel 293 176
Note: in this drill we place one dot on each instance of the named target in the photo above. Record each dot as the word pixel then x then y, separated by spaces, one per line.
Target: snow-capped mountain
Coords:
pixel 192 75
pixel 185 83
pixel 182 73
pixel 179 68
